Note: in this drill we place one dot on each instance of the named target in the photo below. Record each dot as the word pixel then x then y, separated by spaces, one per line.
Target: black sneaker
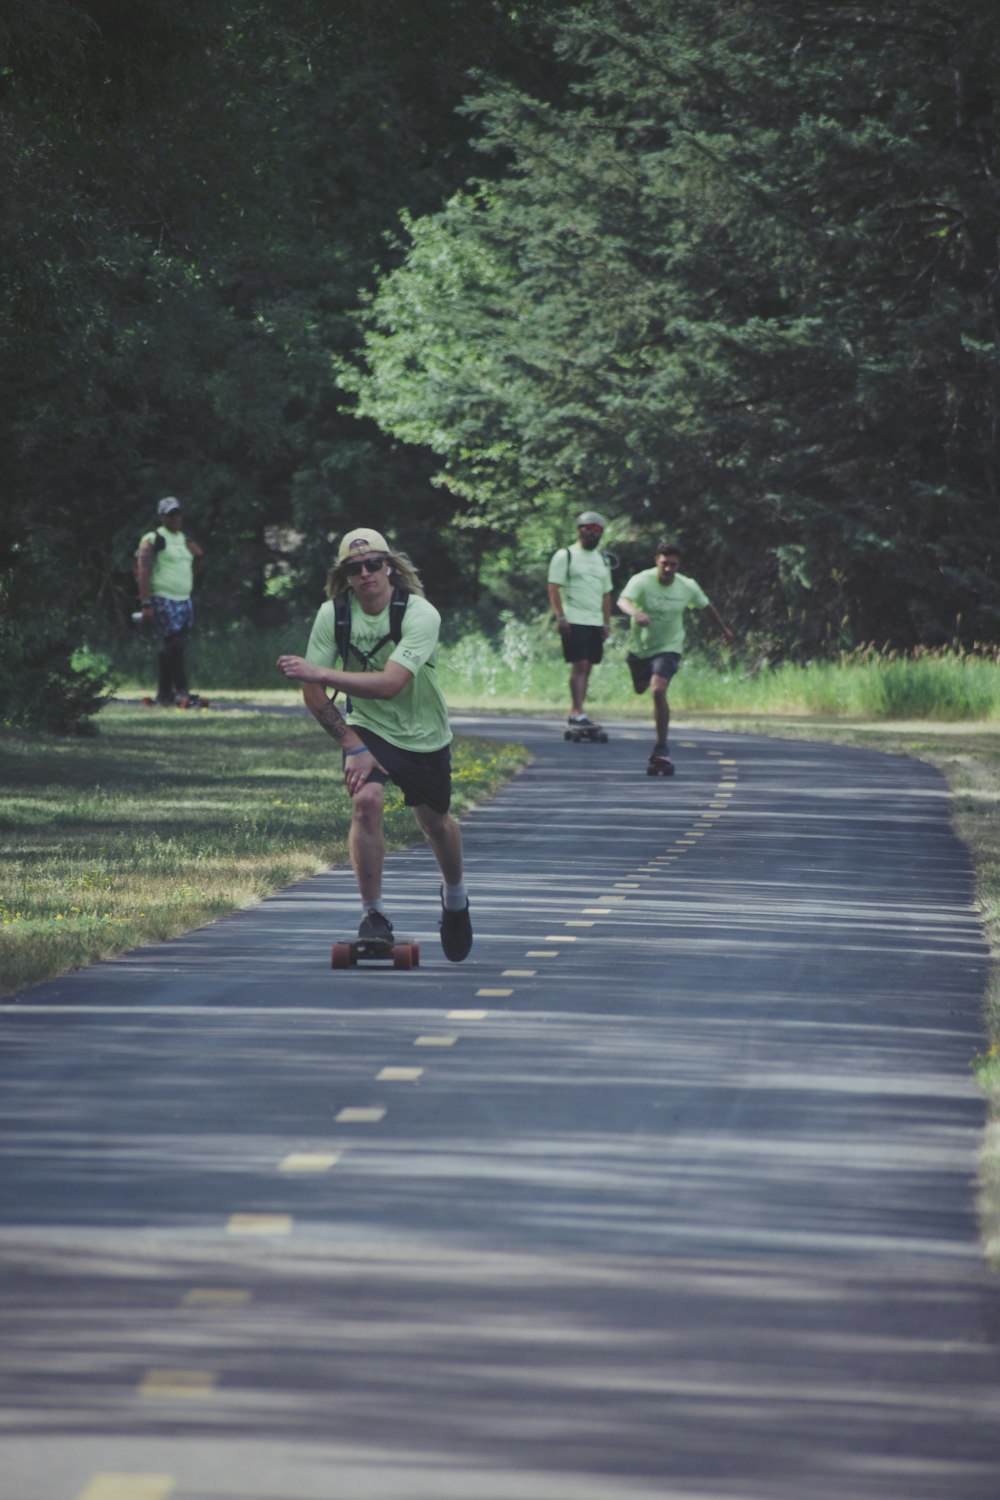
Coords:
pixel 375 926
pixel 456 932
pixel 580 721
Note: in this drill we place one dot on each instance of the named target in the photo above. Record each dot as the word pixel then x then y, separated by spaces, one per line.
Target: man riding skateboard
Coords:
pixel 656 600
pixel 397 727
pixel 580 596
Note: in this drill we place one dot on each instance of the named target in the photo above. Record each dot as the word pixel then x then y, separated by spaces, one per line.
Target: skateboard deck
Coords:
pixel 349 952
pixel 578 732
pixel 660 765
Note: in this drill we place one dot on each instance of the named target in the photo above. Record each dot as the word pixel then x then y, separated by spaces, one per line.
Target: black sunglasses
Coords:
pixel 365 565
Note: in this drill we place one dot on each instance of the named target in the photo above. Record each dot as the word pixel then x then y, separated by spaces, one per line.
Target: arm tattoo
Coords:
pixel 332 720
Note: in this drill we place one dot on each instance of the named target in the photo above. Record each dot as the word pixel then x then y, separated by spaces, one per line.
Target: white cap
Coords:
pixel 357 543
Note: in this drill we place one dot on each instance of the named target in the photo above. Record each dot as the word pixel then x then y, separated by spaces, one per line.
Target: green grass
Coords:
pixel 167 820
pixel 521 668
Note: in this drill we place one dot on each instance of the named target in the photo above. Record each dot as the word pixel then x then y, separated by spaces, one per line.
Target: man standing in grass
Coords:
pixel 580 595
pixel 165 564
pixel 380 653
pixel 656 600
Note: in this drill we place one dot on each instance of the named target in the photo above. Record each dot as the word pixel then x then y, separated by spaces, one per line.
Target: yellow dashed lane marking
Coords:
pixel 518 973
pixel 129 1487
pixel 493 994
pixel 597 911
pixel 542 953
pixel 310 1161
pixel 355 1114
pixel 435 1041
pixel 259 1224
pixel 178 1385
pixel 558 937
pixel 215 1296
pixel 581 924
pixel 399 1075
pixel 467 1015
pixel 625 885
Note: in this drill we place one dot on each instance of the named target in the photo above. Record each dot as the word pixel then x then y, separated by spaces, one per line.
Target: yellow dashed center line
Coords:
pixel 467 1015
pixel 597 911
pixel 215 1296
pixel 310 1161
pixel 355 1114
pixel 261 1224
pixel 120 1486
pixel 493 994
pixel 178 1385
pixel 518 973
pixel 399 1075
pixel 435 1041
pixel 581 924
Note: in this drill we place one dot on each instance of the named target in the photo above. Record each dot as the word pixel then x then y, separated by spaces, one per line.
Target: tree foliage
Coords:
pixel 741 285
pixel 197 192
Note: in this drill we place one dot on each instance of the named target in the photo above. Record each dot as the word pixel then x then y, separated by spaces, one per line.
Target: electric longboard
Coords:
pixel 579 732
pixel 350 952
pixel 660 765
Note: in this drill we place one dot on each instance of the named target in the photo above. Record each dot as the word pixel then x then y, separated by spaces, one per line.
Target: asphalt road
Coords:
pixel 669 1192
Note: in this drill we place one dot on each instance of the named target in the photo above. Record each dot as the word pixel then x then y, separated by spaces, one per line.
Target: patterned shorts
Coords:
pixel 173 616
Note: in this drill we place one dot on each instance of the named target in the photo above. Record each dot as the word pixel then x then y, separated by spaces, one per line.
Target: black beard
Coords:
pixel 589 542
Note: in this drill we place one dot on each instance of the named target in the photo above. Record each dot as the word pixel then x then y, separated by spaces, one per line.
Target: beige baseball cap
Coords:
pixel 357 543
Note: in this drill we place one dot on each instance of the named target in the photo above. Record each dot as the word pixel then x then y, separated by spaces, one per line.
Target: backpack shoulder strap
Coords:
pixel 342 625
pixel 397 609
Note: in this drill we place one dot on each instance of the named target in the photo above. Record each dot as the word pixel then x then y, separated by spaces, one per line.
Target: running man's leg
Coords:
pixel 444 835
pixel 661 708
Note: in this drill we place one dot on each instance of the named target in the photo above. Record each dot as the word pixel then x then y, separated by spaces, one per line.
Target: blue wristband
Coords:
pixel 359 751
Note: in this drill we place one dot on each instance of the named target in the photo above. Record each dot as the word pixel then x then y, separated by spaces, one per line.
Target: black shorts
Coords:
pixel 645 668
pixel 423 776
pixel 583 643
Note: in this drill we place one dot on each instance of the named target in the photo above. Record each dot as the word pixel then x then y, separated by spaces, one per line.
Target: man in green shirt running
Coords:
pixel 397 727
pixel 656 599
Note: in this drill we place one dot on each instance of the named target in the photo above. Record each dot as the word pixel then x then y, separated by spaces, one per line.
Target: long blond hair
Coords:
pixel 401 571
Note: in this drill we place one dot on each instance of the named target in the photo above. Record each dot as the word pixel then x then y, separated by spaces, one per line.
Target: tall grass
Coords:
pixel 521 666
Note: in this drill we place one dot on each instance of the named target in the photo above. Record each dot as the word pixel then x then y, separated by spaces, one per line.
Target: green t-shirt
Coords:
pixel 173 567
pixel 665 605
pixel 584 578
pixel 417 718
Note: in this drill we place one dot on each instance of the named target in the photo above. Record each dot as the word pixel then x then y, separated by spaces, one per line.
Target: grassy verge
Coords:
pixel 968 755
pixel 165 821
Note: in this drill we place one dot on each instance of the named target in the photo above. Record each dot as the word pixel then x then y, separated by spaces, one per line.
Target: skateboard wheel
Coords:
pixel 403 956
pixel 416 954
pixel 602 738
pixel 567 734
pixel 341 956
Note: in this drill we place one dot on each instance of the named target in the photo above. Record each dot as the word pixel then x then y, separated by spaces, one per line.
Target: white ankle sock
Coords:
pixel 455 897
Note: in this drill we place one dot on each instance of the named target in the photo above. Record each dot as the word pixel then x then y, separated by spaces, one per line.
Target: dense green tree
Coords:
pixel 197 192
pixel 742 286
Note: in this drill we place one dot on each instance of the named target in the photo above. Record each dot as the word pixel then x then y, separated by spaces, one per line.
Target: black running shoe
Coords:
pixel 580 721
pixel 375 925
pixel 456 932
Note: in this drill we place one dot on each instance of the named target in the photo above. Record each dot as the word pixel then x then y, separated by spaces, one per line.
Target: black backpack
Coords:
pixel 342 629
